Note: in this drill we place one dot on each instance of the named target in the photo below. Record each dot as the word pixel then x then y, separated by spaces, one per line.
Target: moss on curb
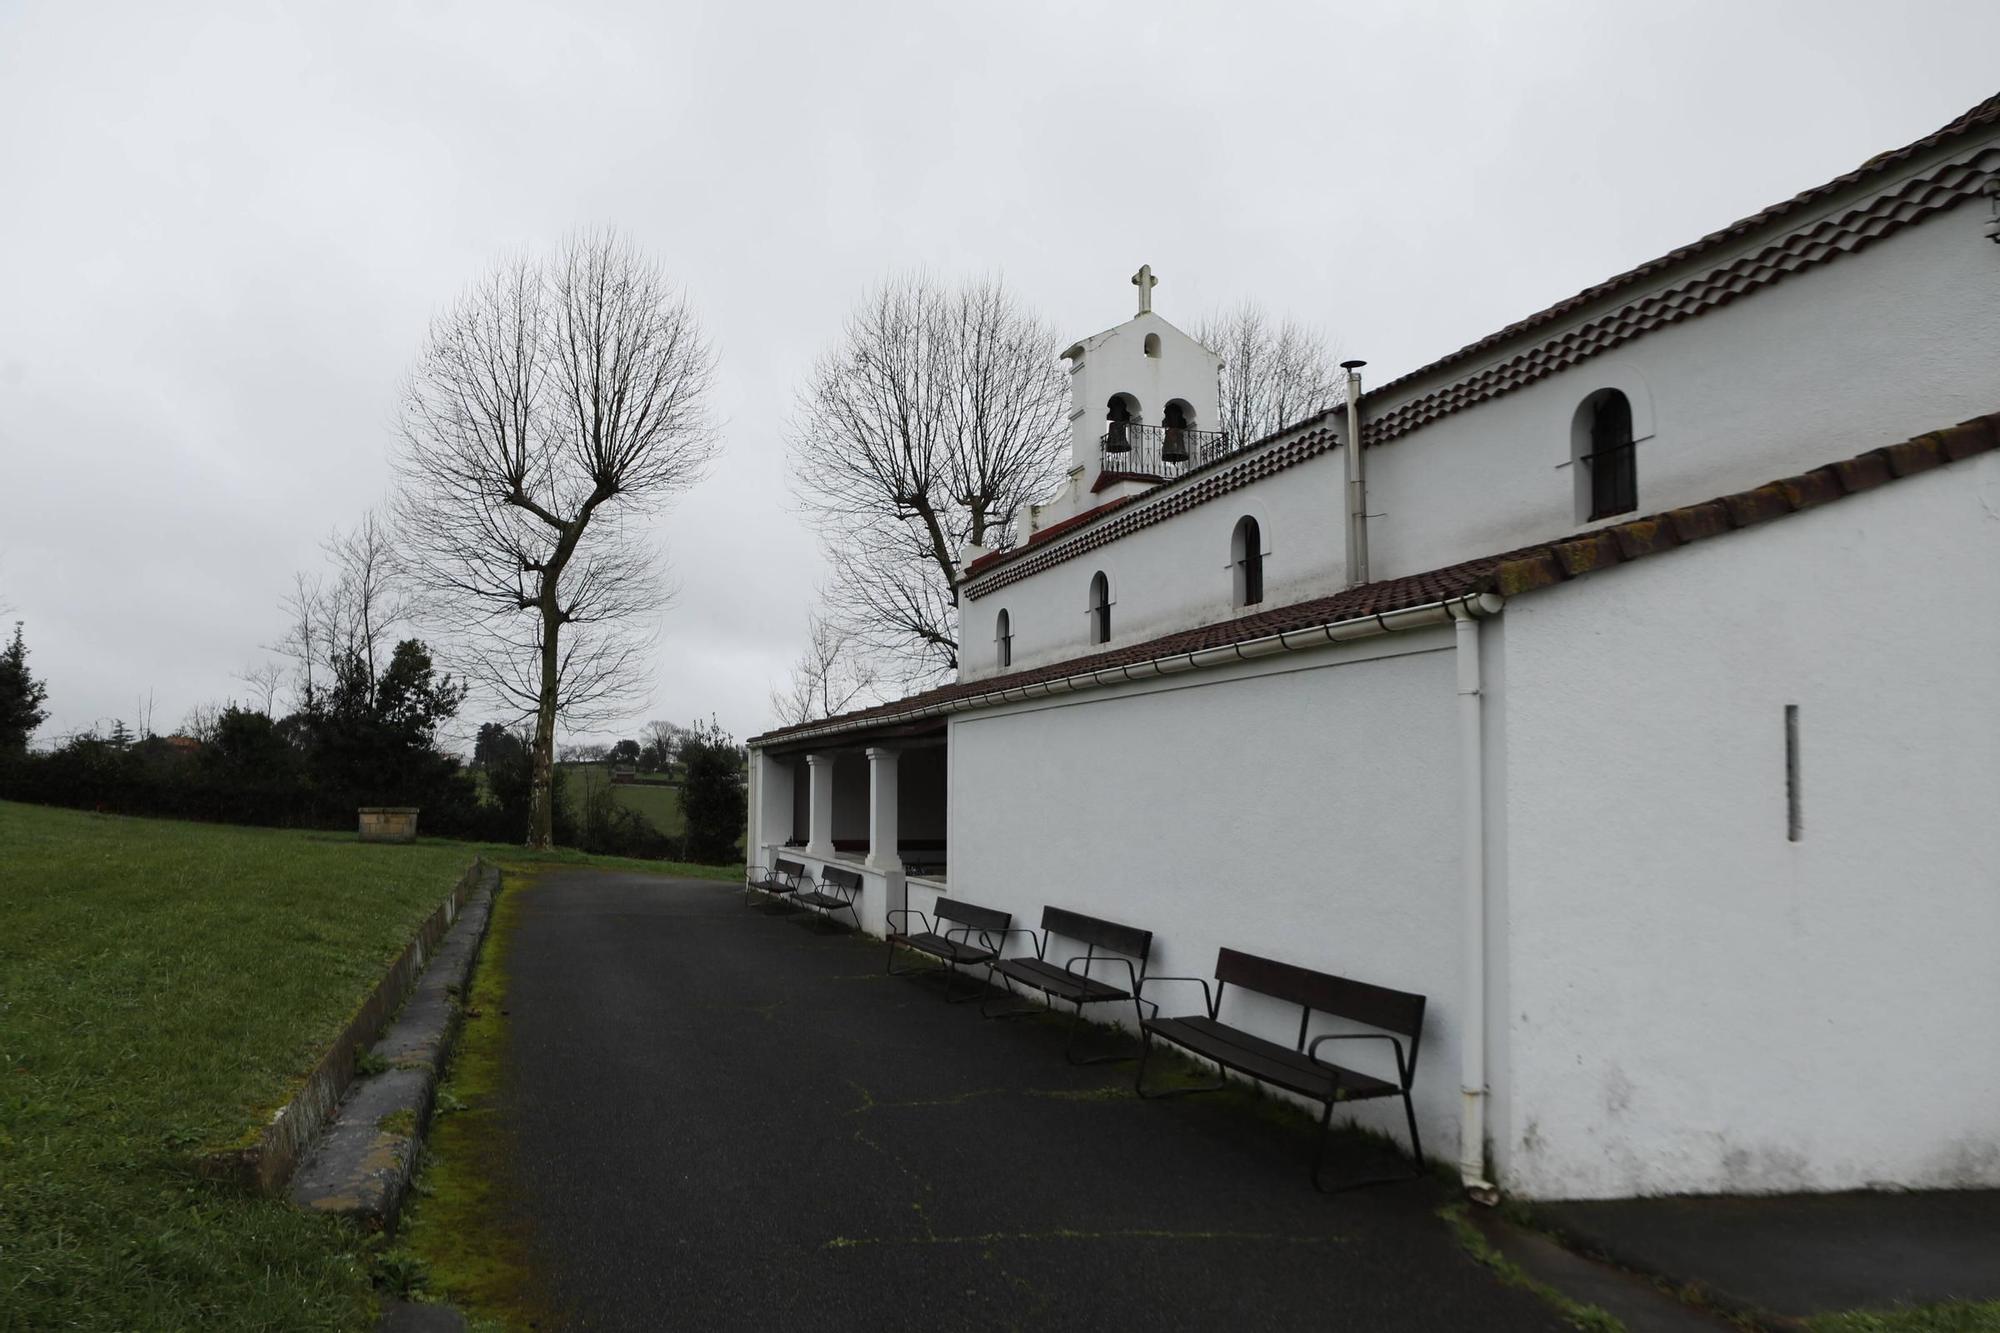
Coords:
pixel 459 1226
pixel 1590 1318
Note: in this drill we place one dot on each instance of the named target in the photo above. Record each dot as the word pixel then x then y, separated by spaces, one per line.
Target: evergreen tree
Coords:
pixel 21 696
pixel 713 799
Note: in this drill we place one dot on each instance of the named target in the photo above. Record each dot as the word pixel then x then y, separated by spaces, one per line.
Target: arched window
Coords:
pixel 1100 609
pixel 1601 443
pixel 1246 559
pixel 1003 641
pixel 1176 420
pixel 1119 414
pixel 1152 344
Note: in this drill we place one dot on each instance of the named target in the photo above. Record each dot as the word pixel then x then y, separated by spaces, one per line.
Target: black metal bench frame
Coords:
pixel 953 946
pixel 780 880
pixel 1398 1014
pixel 1122 946
pixel 838 890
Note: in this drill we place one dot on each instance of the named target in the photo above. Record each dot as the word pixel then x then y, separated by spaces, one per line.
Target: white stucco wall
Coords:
pixel 1304 809
pixel 1697 1003
pixel 1171 576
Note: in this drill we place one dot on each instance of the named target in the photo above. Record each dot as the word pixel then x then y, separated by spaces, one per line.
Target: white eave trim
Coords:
pixel 1476 605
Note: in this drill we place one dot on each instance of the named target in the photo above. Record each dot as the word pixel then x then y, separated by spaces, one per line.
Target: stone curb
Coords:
pixel 361 1166
pixel 264 1164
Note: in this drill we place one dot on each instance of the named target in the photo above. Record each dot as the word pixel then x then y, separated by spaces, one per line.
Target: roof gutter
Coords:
pixel 1470 606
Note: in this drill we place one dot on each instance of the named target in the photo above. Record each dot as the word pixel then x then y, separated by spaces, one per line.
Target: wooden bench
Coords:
pixel 1398 1016
pixel 838 891
pixel 947 936
pixel 782 879
pixel 1106 943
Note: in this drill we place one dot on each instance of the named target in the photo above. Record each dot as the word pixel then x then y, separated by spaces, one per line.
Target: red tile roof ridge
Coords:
pixel 1508 573
pixel 1984 114
pixel 1042 535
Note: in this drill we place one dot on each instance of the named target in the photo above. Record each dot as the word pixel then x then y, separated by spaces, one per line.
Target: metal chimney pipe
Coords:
pixel 1357 481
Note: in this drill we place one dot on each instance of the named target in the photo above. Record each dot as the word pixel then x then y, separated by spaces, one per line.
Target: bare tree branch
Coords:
pixel 938 415
pixel 1274 373
pixel 557 404
pixel 264 681
pixel 829 677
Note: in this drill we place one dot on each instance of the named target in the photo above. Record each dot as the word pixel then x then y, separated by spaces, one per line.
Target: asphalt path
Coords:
pixel 725 1119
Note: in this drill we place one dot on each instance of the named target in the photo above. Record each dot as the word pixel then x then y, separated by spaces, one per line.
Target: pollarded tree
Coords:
pixel 558 404
pixel 938 415
pixel 21 696
pixel 1274 372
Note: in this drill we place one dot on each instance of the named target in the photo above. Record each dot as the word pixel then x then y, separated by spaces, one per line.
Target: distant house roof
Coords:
pixel 1768 268
pixel 1509 573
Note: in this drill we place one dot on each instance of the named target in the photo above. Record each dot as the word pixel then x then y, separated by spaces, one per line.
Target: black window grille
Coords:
pixel 1100 609
pixel 1249 555
pixel 1614 474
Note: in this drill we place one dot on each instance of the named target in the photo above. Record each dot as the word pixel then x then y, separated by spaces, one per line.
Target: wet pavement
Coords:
pixel 724 1119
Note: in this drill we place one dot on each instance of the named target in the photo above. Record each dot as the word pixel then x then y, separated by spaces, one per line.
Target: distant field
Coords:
pixel 659 802
pixel 163 986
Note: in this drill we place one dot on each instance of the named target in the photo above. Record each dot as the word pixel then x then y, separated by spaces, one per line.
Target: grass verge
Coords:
pixel 166 985
pixel 1953 1317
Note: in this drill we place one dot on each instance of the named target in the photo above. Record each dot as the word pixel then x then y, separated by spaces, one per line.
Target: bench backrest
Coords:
pixel 790 869
pixel 1394 1011
pixel 1098 933
pixel 850 880
pixel 966 914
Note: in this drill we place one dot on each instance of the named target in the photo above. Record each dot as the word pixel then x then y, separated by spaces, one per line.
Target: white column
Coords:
pixel 753 807
pixel 819 821
pixel 772 813
pixel 883 852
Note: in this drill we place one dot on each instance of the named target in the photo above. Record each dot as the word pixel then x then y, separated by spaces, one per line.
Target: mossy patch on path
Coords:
pixel 461 1234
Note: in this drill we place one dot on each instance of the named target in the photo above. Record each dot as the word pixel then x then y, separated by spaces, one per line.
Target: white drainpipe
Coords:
pixel 1357 481
pixel 1472 857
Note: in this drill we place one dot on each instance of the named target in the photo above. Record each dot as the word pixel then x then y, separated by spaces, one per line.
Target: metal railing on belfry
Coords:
pixel 1158 451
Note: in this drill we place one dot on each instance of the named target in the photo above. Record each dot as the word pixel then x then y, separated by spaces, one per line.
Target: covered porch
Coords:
pixel 872 801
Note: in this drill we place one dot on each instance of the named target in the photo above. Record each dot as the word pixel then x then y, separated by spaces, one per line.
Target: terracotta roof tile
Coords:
pixel 1509 573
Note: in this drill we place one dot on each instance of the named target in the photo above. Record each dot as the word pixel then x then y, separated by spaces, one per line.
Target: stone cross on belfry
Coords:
pixel 1145 282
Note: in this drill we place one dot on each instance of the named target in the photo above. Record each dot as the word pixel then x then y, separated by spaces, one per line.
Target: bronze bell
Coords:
pixel 1175 449
pixel 1115 440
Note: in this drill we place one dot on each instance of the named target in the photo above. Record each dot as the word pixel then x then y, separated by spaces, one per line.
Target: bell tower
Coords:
pixel 1143 409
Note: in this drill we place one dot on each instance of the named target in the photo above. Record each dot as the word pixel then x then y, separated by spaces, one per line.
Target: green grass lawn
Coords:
pixel 164 986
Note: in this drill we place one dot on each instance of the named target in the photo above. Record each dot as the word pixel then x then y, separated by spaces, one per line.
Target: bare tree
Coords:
pixel 365 603
pixel 557 404
pixel 660 742
pixel 264 681
pixel 1274 372
pixel 935 418
pixel 828 677
pixel 304 637
pixel 203 722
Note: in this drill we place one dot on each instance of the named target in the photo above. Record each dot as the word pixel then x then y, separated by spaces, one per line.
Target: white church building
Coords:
pixel 1632 692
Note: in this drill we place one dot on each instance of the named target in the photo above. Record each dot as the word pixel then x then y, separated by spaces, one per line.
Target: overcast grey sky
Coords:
pixel 223 229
